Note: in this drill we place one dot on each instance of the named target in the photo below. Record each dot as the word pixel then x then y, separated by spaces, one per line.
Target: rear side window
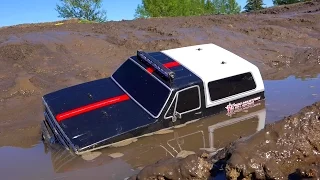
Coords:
pixel 231 86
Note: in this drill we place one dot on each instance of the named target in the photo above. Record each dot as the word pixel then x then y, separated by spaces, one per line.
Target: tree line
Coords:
pixel 171 8
pixel 91 10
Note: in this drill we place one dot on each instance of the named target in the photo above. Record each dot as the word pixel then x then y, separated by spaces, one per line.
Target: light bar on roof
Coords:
pixel 156 65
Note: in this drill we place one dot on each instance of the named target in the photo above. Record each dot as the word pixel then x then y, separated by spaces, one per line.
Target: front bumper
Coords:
pixel 51 134
pixel 47 134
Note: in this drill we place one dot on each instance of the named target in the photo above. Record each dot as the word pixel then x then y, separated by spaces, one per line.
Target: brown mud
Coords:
pixel 209 134
pixel 308 172
pixel 36 59
pixel 39 58
pixel 277 150
pixel 286 149
pixel 194 166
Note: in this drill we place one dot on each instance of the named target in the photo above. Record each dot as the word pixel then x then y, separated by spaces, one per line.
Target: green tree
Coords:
pixel 282 2
pixel 253 5
pixel 170 8
pixel 233 7
pixel 83 9
pixel 226 7
pixel 167 8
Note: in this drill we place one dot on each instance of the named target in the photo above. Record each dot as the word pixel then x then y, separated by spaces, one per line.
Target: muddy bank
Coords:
pixel 276 151
pixel 286 149
pixel 193 166
pixel 39 58
pixel 308 172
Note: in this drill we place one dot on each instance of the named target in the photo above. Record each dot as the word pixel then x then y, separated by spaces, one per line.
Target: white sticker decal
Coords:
pixel 237 107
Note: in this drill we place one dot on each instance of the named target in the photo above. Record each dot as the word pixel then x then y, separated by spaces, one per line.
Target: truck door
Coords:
pixel 186 105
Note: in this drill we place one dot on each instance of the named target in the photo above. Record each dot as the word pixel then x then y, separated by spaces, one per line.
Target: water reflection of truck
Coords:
pixel 209 134
pixel 149 92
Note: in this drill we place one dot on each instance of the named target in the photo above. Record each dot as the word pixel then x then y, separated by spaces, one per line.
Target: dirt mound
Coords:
pixel 298 7
pixel 16 52
pixel 309 172
pixel 194 166
pixel 307 56
pixel 276 151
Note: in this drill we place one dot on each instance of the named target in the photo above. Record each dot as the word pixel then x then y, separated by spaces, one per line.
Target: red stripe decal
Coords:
pixel 167 65
pixel 171 64
pixel 150 70
pixel 90 107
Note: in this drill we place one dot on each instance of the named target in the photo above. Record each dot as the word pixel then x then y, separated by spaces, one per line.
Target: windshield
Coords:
pixel 143 87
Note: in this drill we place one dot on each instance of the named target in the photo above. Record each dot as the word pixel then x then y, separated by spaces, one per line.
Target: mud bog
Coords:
pixel 209 135
pixel 35 59
pixel 286 149
pixel 39 58
pixel 276 151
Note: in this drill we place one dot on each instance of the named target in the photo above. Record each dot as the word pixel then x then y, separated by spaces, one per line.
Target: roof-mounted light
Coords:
pixel 145 57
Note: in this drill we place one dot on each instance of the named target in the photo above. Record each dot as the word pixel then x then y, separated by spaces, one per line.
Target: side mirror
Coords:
pixel 175 116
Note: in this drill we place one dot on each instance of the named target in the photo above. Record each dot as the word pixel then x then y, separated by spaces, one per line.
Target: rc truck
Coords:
pixel 148 92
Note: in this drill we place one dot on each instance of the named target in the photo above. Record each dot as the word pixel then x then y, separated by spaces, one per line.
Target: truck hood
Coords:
pixel 95 111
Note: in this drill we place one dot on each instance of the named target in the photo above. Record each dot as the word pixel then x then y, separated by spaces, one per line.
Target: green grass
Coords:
pixel 84 21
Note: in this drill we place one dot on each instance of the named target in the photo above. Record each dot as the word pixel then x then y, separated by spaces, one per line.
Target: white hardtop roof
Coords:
pixel 206 63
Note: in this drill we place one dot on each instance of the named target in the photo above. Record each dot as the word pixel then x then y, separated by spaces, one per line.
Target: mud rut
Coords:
pixel 39 58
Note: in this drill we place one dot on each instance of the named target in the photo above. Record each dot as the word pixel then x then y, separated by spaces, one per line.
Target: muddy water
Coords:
pixel 287 96
pixel 283 97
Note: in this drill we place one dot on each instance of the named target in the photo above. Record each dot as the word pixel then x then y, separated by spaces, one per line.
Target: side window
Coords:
pixel 188 99
pixel 231 86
